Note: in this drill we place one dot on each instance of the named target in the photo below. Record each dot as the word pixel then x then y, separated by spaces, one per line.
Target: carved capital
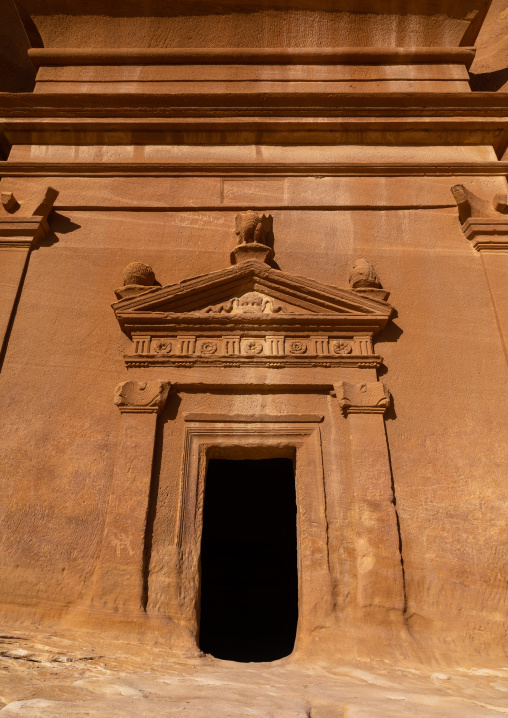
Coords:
pixel 145 397
pixel 369 398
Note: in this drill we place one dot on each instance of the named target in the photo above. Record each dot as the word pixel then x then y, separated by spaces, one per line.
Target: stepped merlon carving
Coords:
pixel 484 222
pixel 23 223
pixel 473 207
pixel 254 233
pixel 38 206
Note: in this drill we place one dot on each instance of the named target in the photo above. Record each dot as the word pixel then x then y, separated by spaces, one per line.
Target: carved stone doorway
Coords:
pixel 249 576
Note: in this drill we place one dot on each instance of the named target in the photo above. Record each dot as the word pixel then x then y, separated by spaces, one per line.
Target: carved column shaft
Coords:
pixel 14 259
pixel 485 225
pixel 119 578
pixel 495 265
pixel 379 568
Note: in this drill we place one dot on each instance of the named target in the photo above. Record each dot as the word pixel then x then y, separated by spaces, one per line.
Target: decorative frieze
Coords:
pixel 252 314
pixel 255 348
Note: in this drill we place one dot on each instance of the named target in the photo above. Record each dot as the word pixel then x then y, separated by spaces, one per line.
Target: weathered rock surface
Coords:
pixel 49 676
pixel 345 146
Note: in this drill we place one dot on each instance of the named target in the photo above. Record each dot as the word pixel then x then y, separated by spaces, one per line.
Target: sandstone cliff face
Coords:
pixel 491 66
pixel 402 528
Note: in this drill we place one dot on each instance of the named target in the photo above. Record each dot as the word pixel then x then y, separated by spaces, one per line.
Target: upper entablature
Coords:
pixel 257 23
pixel 212 48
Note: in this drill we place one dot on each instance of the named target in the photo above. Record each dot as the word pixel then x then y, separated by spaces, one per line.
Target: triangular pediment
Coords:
pixel 251 292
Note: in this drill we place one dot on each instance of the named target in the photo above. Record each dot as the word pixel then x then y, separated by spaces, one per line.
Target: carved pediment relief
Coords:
pixel 238 289
pixel 251 313
pixel 250 303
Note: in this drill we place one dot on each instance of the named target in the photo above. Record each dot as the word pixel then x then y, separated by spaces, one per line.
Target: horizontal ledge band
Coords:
pixel 256 419
pixel 242 169
pixel 287 104
pixel 221 56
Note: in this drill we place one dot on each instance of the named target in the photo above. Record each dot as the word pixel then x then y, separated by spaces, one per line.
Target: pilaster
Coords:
pixel 379 567
pixel 485 225
pixel 21 227
pixel 119 578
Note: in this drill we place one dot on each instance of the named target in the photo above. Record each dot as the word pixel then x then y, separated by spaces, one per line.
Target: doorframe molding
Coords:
pixel 278 436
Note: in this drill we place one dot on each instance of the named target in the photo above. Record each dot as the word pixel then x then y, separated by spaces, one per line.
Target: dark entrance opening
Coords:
pixel 249 577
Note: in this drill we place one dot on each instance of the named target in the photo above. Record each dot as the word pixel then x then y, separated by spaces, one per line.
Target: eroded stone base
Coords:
pixel 46 675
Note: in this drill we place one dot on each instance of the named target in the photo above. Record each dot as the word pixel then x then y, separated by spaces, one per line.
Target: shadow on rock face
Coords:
pixel 488 81
pixel 59 224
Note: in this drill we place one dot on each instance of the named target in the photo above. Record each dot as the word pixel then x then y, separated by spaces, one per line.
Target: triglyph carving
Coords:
pixel 141 397
pixel 253 315
pixel 248 303
pixel 368 398
pixel 253 234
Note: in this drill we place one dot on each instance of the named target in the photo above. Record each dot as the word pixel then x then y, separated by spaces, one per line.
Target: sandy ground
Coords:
pixel 52 676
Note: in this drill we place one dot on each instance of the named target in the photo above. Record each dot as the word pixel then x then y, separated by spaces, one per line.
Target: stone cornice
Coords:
pixel 356 118
pixel 389 104
pixel 256 56
pixel 489 233
pixel 332 169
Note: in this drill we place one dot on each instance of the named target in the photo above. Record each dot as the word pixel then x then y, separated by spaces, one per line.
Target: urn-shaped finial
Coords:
pixel 138 273
pixel 363 275
pixel 137 278
pixel 364 280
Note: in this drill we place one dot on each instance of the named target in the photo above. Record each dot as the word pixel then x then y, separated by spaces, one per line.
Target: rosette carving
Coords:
pixel 297 347
pixel 342 347
pixel 209 347
pixel 253 347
